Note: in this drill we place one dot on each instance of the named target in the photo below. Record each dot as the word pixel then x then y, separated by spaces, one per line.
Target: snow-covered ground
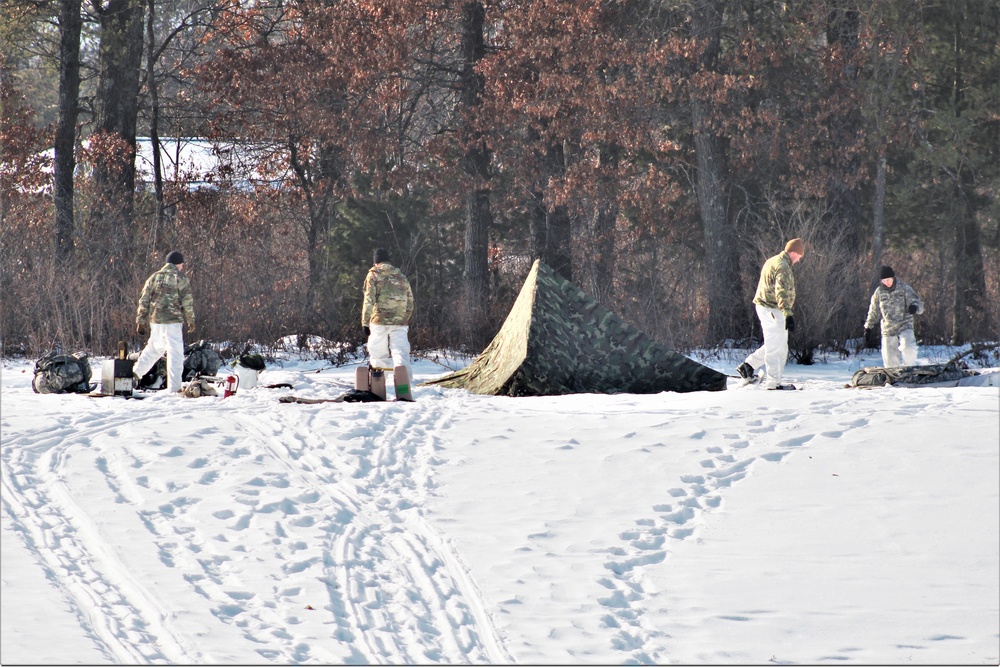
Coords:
pixel 828 525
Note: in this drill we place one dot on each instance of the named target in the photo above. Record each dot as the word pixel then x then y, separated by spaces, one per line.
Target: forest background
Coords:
pixel 652 152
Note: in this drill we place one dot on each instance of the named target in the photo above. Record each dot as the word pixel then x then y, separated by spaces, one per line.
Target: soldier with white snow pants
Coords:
pixel 894 303
pixel 775 301
pixel 385 314
pixel 165 303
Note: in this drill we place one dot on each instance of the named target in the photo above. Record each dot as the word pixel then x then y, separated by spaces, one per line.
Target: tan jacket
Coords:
pixel 776 287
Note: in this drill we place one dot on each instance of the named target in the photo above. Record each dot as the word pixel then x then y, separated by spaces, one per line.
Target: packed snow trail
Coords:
pixel 335 519
pixel 112 604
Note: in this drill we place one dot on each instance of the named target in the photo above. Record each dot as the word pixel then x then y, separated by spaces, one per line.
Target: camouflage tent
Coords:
pixel 559 340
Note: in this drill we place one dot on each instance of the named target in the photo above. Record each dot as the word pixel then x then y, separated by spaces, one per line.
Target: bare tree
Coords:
pixel 70 26
pixel 476 165
pixel 114 141
pixel 726 311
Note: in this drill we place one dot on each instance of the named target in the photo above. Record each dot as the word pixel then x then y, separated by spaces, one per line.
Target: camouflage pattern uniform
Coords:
pixel 776 287
pixel 165 303
pixel 57 373
pixel 166 298
pixel 891 306
pixel 388 297
pixel 386 310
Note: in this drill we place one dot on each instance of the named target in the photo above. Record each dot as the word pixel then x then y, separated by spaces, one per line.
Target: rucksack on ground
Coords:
pixel 252 361
pixel 57 373
pixel 248 367
pixel 870 377
pixel 912 376
pixel 200 359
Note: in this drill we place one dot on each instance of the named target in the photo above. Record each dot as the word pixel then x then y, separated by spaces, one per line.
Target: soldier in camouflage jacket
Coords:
pixel 775 303
pixel 385 314
pixel 893 304
pixel 165 303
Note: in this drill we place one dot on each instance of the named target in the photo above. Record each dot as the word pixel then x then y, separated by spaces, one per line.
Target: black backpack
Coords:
pixel 251 361
pixel 200 359
pixel 57 373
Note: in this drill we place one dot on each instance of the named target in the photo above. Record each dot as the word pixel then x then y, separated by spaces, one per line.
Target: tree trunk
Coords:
pixel 318 188
pixel 558 229
pixel 478 218
pixel 117 110
pixel 603 247
pixel 559 241
pixel 878 219
pixel 843 26
pixel 70 26
pixel 970 278
pixel 536 224
pixel 727 315
pixel 154 119
pixel 476 164
pixel 970 275
pixel 602 234
pixel 845 126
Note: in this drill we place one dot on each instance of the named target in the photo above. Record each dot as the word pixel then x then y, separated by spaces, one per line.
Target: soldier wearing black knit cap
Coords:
pixel 164 305
pixel 893 305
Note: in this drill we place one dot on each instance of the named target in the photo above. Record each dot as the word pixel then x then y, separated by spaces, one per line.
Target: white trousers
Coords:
pixel 164 339
pixel 774 352
pixel 892 346
pixel 388 347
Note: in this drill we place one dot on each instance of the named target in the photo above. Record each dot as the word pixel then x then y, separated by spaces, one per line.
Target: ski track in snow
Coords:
pixel 394 585
pixel 342 513
pixel 111 604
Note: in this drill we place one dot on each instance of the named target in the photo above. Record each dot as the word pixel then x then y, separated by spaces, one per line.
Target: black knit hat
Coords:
pixel 887 272
pixel 175 257
pixel 381 255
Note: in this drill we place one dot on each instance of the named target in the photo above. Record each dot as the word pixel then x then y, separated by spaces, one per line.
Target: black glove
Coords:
pixel 870 340
pixel 790 323
pixel 367 330
pixel 912 309
pixel 141 328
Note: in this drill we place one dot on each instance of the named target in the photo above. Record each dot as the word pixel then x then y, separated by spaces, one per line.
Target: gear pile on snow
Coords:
pixel 199 387
pixel 200 359
pixel 877 376
pixel 559 340
pixel 57 373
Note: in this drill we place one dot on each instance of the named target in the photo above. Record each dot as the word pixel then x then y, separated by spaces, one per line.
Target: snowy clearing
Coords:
pixel 828 525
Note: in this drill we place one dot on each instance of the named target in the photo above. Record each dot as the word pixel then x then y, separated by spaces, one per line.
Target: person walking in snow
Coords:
pixel 775 302
pixel 894 303
pixel 165 303
pixel 385 314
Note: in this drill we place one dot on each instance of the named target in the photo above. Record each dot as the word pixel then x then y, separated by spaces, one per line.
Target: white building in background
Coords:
pixel 201 163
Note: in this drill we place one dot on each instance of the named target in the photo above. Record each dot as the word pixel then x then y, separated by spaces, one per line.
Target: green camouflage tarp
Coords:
pixel 559 340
